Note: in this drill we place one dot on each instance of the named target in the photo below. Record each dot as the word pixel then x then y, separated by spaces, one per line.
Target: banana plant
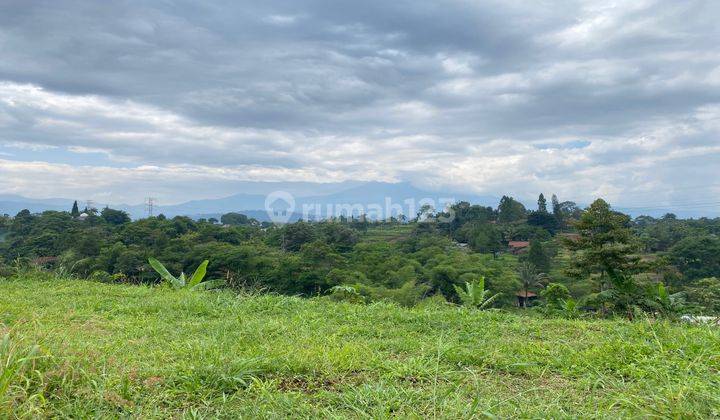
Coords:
pixel 569 309
pixel 665 303
pixel 474 294
pixel 181 282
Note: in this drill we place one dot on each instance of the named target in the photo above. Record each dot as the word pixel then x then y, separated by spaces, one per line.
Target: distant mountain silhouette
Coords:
pixel 252 200
pixel 253 203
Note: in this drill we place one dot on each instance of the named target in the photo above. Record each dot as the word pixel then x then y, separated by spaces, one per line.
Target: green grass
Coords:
pixel 393 233
pixel 117 350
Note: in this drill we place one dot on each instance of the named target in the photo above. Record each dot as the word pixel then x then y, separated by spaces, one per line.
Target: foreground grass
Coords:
pixel 115 350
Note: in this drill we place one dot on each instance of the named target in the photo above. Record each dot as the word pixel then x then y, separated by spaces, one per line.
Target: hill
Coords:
pixel 117 350
pixel 252 200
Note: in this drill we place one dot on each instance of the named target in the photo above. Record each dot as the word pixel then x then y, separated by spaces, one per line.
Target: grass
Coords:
pixel 118 350
pixel 394 233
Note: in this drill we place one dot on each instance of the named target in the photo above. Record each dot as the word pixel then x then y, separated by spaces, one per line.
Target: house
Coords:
pixel 518 247
pixel 525 299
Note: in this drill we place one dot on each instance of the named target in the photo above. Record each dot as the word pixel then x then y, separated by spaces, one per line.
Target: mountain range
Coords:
pixel 315 198
pixel 252 201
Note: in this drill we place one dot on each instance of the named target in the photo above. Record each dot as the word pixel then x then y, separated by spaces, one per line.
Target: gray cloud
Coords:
pixel 452 93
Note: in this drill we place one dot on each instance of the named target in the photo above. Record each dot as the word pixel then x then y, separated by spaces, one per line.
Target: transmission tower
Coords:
pixel 150 202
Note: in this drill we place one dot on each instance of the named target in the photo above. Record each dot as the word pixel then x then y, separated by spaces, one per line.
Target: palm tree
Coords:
pixel 529 277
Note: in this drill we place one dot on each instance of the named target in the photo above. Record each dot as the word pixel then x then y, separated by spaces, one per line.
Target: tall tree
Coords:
pixel 114 217
pixel 529 277
pixel 542 203
pixel 604 248
pixel 538 257
pixel 557 210
pixel 75 212
pixel 510 210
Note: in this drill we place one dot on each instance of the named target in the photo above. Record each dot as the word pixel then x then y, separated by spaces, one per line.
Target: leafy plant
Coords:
pixel 345 293
pixel 665 303
pixel 555 294
pixel 181 282
pixel 475 295
pixel 569 309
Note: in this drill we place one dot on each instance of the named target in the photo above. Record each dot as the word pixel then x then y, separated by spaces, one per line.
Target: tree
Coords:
pixel 484 238
pixel 706 293
pixel 555 295
pixel 529 277
pixel 75 212
pixel 114 217
pixel 293 236
pixel 557 211
pixel 510 210
pixel 697 256
pixel 543 219
pixel 604 249
pixel 538 257
pixel 234 219
pixel 542 204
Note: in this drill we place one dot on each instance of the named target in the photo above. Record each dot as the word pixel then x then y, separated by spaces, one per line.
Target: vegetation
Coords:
pixel 117 350
pixel 609 264
pixel 474 295
pixel 194 283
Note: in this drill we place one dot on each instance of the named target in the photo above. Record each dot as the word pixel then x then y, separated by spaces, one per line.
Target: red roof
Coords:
pixel 522 294
pixel 518 244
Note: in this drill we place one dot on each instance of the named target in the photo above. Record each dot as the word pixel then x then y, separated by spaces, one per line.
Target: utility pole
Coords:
pixel 150 202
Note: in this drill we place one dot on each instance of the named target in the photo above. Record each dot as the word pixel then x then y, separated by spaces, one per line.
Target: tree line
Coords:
pixel 576 261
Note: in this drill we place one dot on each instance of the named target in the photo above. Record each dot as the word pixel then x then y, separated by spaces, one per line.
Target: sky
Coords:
pixel 117 101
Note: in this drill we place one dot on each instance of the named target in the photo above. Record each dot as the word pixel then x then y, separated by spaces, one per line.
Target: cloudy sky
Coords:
pixel 119 100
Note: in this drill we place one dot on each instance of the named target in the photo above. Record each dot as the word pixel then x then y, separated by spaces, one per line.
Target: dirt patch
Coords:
pixel 311 385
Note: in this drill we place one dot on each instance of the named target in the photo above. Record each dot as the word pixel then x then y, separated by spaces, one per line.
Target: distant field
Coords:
pixel 387 233
pixel 115 350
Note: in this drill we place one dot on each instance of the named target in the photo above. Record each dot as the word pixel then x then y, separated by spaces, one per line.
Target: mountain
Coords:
pixel 315 198
pixel 12 204
pixel 305 195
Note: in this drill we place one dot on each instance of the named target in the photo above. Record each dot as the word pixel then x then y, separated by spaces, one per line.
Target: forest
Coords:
pixel 556 259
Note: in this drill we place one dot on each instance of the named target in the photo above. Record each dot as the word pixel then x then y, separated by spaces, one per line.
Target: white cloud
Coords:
pixel 183 103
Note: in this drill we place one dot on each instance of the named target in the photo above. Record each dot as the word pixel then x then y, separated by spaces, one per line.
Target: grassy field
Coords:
pixel 387 233
pixel 116 350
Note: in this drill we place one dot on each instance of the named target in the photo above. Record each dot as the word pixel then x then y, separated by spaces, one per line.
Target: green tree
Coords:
pixel 697 256
pixel 510 210
pixel 557 211
pixel 706 293
pixel 294 235
pixel 484 238
pixel 114 217
pixel 555 295
pixel 542 204
pixel 604 249
pixel 538 257
pixel 529 277
pixel 235 219
pixel 75 212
